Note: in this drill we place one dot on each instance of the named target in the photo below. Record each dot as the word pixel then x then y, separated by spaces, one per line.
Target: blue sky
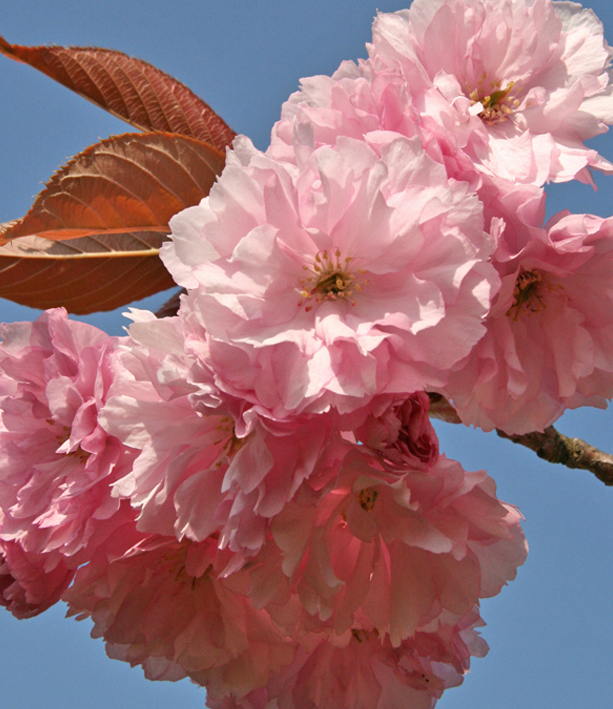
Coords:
pixel 550 631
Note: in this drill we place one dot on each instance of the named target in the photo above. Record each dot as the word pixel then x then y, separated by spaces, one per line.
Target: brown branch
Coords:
pixel 441 409
pixel 550 445
pixel 553 446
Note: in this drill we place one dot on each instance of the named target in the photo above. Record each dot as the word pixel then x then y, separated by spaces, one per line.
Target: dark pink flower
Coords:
pixel 400 430
pixel 56 463
pixel 160 603
pixel 29 582
pixel 396 551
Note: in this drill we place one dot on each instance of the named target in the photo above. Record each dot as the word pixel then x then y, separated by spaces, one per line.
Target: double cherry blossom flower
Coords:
pixel 250 493
pixel 342 280
pixel 524 82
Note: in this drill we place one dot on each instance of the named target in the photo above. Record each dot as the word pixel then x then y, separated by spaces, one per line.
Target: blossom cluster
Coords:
pixel 250 493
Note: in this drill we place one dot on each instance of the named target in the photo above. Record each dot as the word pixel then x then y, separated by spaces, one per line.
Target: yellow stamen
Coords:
pixel 498 103
pixel 330 278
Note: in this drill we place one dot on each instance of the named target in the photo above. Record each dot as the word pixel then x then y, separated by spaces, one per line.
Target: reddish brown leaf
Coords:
pixel 129 88
pixel 172 305
pixel 127 183
pixel 43 274
pixel 90 242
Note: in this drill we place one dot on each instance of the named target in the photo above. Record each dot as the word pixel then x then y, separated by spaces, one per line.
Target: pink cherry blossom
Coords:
pixel 361 671
pixel 505 87
pixel 163 604
pixel 336 279
pixel 29 582
pixel 550 332
pixel 56 462
pixel 400 430
pixel 396 551
pixel 357 100
pixel 160 603
pixel 524 82
pixel 206 463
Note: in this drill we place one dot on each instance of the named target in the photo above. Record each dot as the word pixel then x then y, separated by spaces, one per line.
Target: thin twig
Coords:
pixel 555 447
pixel 441 409
pixel 551 445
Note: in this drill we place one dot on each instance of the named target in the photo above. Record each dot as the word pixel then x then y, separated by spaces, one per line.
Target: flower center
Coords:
pixel 530 289
pixel 228 440
pixel 367 498
pixel 497 102
pixel 173 563
pixel 62 437
pixel 329 278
